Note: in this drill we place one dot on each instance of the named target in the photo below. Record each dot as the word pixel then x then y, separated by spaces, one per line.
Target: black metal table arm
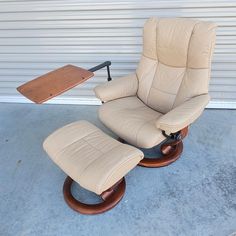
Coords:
pixel 102 65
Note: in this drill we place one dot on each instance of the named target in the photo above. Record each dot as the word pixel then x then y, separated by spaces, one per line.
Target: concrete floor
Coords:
pixel 194 196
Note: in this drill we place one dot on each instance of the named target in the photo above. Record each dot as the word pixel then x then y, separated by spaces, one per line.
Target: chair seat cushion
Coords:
pixel 89 156
pixel 133 121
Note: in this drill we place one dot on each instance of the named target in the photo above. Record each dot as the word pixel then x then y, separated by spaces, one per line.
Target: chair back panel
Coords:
pixel 176 59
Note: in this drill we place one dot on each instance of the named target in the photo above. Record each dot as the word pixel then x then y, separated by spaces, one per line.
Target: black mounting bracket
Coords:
pixel 175 136
pixel 102 65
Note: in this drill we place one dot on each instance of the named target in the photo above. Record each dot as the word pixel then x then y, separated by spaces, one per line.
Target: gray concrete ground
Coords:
pixel 194 196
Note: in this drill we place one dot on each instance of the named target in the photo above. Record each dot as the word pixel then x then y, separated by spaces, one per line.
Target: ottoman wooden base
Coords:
pixel 111 198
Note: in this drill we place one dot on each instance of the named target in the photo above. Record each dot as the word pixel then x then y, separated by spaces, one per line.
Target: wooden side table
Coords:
pixel 58 81
pixel 54 83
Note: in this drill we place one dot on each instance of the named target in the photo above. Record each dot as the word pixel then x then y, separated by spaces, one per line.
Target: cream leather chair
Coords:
pixel 167 92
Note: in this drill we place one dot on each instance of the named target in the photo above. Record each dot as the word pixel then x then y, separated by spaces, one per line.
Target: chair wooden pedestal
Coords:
pixel 171 151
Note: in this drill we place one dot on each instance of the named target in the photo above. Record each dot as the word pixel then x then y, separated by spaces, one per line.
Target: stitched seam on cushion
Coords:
pixel 190 39
pixel 82 139
pixel 136 94
pixel 209 59
pixel 143 81
pixel 76 155
pixel 186 66
pixel 63 149
pixel 99 149
pixel 178 124
pixel 136 137
pixel 157 26
pixel 183 73
pixel 198 68
pixel 163 91
pixel 148 57
pixel 101 153
pixel 141 105
pixel 82 172
pixel 123 109
pixel 170 65
pixel 92 146
pixel 152 82
pixel 119 167
pixel 179 87
pixel 137 82
pixel 156 65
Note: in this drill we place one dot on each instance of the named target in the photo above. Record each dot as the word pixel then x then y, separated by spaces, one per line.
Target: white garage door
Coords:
pixel 38 36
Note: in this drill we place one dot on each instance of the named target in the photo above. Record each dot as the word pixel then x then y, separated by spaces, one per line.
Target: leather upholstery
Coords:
pixel 183 115
pixel 119 88
pixel 89 156
pixel 175 64
pixel 132 120
pixel 174 68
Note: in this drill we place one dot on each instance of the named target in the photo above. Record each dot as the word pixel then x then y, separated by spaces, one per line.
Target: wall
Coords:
pixel 39 36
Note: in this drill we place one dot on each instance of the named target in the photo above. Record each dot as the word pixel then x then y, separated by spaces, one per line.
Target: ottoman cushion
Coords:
pixel 89 156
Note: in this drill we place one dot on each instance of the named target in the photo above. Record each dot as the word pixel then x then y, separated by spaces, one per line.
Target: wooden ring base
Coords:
pixel 111 198
pixel 171 151
pixel 172 155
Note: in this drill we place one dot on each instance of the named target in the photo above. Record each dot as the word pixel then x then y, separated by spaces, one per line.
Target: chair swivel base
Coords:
pixel 170 155
pixel 171 151
pixel 111 198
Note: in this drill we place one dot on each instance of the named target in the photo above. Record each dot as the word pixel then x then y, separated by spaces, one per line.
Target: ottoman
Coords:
pixel 94 160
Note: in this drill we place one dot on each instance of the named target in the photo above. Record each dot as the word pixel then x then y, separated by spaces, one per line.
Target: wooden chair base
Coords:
pixel 170 155
pixel 111 198
pixel 171 151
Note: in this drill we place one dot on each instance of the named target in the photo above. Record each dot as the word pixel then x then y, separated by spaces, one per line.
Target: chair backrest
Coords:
pixel 176 60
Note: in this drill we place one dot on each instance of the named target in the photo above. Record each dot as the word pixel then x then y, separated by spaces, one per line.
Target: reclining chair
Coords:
pixel 168 91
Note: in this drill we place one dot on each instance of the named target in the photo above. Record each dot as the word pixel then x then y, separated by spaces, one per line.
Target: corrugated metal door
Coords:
pixel 38 36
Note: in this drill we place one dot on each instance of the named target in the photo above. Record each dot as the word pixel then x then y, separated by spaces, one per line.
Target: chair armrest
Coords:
pixel 183 115
pixel 117 88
